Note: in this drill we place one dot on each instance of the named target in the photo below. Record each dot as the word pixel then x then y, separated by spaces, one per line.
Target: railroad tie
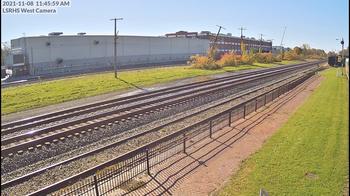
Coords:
pixel 30 149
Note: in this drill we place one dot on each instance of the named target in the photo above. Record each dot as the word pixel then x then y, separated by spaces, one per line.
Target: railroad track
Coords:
pixel 74 176
pixel 53 134
pixel 11 127
pixel 23 178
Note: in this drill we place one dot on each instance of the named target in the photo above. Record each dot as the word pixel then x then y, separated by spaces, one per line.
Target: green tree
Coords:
pixel 305 47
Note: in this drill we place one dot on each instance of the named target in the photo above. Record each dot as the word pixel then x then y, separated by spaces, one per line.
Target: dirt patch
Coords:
pixel 207 165
pixel 311 176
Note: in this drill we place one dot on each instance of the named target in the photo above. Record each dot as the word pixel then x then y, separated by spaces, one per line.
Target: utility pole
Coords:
pixel 282 52
pixel 212 48
pixel 242 44
pixel 115 46
pixel 25 50
pixel 217 35
pixel 261 39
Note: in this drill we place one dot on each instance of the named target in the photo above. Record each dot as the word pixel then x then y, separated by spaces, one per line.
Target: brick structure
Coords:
pixel 227 42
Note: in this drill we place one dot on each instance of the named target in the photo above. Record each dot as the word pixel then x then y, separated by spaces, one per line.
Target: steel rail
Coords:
pixel 99 168
pixel 91 122
pixel 92 152
pixel 54 116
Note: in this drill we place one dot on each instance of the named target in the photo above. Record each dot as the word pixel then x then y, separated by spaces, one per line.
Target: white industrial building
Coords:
pixel 63 54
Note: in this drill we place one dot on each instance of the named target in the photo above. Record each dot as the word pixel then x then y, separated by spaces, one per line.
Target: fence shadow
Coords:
pixel 169 175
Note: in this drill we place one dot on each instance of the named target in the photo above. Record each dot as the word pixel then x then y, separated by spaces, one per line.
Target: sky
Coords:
pixel 315 22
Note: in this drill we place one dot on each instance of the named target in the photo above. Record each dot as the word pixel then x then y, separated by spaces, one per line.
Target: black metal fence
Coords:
pixel 109 176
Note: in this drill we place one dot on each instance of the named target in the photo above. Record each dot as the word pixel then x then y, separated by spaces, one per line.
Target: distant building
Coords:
pixel 278 49
pixel 227 42
pixel 183 34
pixel 58 54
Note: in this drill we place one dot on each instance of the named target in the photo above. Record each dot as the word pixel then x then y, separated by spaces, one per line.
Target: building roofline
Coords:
pixel 141 36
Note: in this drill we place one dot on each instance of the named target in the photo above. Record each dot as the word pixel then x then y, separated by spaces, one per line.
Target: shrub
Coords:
pixel 203 62
pixel 228 59
pixel 213 53
pixel 291 55
pixel 264 58
pixel 278 58
pixel 247 59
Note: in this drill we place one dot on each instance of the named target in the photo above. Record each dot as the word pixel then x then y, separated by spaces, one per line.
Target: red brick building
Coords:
pixel 227 42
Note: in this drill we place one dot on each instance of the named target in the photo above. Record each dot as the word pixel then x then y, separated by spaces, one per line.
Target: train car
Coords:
pixel 332 60
pixel 3 71
pixel 335 61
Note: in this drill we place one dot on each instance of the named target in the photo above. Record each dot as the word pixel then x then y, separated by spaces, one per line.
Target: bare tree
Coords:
pixel 5 51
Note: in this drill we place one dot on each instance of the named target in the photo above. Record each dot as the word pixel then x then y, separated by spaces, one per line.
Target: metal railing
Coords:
pixel 113 174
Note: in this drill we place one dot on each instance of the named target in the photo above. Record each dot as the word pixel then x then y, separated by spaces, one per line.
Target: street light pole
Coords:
pixel 342 54
pixel 342 49
pixel 115 46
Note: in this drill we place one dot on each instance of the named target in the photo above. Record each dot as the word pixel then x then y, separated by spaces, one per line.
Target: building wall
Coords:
pixel 231 43
pixel 64 54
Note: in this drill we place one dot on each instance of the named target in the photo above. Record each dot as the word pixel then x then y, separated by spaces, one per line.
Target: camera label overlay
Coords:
pixel 34 6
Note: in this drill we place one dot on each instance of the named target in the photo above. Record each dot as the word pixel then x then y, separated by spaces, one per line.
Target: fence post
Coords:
pixel 96 185
pixel 256 104
pixel 279 91
pixel 229 118
pixel 244 111
pixel 184 140
pixel 210 129
pixel 147 162
pixel 264 99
